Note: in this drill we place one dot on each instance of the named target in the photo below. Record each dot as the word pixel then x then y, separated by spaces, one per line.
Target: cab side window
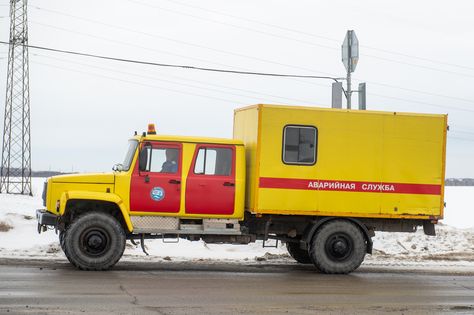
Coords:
pixel 213 161
pixel 299 145
pixel 160 160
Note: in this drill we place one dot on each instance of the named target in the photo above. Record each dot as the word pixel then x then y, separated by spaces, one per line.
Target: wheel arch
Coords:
pixel 74 203
pixel 311 230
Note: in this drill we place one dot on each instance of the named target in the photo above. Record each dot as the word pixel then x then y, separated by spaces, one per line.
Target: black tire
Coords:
pixel 298 254
pixel 94 241
pixel 62 237
pixel 338 247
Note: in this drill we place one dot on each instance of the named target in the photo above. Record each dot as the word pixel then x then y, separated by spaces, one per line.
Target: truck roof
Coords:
pixel 189 139
pixel 311 108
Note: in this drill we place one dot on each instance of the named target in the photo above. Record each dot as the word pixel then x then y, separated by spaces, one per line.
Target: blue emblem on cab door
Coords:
pixel 157 193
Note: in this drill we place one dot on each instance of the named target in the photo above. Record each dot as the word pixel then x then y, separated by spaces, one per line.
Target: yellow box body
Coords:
pixel 369 163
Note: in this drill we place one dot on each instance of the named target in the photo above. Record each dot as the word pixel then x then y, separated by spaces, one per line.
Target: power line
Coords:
pixel 217 50
pixel 182 56
pixel 294 39
pixel 176 40
pixel 179 42
pixel 314 35
pixel 128 44
pixel 222 71
pixel 411 101
pixel 423 103
pixel 158 64
pixel 232 88
pixel 255 21
pixel 141 84
pixel 138 83
pixel 420 92
pixel 419 58
pixel 179 83
pixel 233 25
pixel 173 54
pixel 245 72
pixel 421 66
pixel 179 91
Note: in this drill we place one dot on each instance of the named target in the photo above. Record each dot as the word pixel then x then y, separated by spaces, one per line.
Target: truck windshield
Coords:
pixel 132 147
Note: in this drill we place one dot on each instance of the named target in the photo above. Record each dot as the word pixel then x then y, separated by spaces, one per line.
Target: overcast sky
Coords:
pixel 415 56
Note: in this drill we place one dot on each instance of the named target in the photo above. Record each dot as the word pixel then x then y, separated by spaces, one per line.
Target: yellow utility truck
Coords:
pixel 321 180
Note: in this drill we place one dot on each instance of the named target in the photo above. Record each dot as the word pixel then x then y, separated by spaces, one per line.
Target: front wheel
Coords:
pixel 338 247
pixel 61 239
pixel 94 241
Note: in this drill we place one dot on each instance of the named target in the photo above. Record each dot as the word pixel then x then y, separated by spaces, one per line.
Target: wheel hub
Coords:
pixel 339 247
pixel 95 242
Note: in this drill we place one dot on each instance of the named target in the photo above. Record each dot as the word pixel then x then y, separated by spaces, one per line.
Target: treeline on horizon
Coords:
pixel 448 182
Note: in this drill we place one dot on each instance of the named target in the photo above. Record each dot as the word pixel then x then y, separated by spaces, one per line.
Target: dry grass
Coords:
pixel 5 227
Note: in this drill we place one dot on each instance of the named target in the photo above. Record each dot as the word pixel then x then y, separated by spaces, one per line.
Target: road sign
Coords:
pixel 337 95
pixel 350 51
pixel 362 96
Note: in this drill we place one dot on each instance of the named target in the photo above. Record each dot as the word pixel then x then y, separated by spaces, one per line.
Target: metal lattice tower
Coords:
pixel 15 170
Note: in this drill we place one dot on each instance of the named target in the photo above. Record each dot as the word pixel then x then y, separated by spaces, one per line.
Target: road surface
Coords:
pixel 54 287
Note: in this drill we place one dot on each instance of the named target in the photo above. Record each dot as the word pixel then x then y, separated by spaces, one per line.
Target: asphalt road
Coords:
pixel 44 287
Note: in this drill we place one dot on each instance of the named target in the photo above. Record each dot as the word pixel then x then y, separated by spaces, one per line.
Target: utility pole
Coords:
pixel 349 90
pixel 15 171
pixel 362 96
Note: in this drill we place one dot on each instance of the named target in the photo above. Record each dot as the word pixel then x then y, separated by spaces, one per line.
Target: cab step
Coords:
pixel 172 225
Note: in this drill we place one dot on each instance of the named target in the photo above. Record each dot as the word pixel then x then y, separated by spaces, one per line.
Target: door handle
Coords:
pixel 229 184
pixel 174 181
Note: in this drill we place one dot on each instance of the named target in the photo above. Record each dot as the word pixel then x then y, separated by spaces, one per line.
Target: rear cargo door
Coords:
pixel 156 186
pixel 210 186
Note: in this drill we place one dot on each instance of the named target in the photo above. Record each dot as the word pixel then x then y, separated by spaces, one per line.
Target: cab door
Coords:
pixel 156 179
pixel 210 186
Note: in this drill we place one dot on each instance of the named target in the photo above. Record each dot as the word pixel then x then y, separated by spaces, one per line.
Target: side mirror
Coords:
pixel 117 168
pixel 143 158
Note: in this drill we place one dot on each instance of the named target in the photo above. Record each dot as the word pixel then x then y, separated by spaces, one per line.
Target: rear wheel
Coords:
pixel 338 247
pixel 94 241
pixel 298 254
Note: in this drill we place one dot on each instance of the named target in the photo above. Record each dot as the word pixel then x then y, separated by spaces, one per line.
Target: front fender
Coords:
pixel 99 196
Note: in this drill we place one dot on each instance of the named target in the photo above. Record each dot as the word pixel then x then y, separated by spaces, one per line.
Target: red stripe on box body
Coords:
pixel 351 186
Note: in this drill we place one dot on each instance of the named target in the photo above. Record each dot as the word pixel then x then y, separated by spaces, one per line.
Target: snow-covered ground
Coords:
pixel 453 247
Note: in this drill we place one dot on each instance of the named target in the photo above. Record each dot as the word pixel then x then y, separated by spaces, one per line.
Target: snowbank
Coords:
pixel 453 246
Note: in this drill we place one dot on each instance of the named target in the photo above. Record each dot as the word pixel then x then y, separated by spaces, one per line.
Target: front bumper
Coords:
pixel 46 219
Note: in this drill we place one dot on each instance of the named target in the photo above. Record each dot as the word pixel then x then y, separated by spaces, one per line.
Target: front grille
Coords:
pixel 45 188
